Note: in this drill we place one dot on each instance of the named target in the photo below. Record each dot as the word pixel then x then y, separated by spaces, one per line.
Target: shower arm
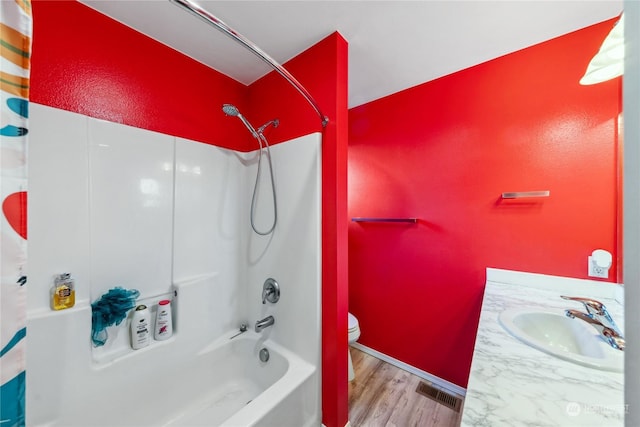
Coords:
pixel 201 13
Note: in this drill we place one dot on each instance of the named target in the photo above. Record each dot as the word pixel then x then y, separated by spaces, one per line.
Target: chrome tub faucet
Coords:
pixel 264 323
pixel 598 317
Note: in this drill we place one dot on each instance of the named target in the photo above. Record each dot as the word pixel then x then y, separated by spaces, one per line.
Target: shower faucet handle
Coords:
pixel 266 293
pixel 270 291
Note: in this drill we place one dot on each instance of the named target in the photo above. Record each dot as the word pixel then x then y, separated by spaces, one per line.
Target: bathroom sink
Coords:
pixel 569 339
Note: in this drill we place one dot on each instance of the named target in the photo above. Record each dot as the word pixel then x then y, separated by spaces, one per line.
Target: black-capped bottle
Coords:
pixel 140 333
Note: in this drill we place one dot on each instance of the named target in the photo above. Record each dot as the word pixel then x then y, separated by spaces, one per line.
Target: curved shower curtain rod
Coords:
pixel 198 11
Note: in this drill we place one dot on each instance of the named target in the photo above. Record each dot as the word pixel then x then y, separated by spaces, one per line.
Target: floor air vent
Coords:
pixel 448 400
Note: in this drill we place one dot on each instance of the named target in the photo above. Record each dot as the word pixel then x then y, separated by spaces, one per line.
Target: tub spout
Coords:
pixel 267 321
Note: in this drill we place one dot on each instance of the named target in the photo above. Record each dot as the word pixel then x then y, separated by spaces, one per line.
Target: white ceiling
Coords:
pixel 393 45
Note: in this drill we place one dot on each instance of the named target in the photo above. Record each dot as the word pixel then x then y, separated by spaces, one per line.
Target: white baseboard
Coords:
pixel 435 381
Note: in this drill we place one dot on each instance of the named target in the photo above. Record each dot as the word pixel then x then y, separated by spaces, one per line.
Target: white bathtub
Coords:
pixel 228 385
pixel 169 383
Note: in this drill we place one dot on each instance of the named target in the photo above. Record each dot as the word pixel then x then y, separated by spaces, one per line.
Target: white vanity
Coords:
pixel 526 377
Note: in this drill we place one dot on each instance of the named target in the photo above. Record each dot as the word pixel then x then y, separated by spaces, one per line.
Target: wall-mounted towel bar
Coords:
pixel 409 220
pixel 525 194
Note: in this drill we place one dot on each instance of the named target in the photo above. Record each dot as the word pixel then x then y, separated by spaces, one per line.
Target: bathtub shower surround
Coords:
pixel 512 383
pixel 170 218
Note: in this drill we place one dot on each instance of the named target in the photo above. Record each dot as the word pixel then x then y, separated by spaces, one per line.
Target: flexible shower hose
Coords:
pixel 262 139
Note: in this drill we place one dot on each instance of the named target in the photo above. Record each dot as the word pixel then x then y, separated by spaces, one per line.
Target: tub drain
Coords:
pixel 264 355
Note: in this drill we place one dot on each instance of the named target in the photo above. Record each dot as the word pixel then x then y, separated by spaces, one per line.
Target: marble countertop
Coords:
pixel 513 384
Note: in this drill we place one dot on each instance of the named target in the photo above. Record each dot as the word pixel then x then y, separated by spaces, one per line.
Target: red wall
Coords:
pixel 88 63
pixel 80 64
pixel 443 152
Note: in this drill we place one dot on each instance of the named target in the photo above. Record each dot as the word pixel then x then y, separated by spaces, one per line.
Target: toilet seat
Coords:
pixel 354 329
pixel 353 322
pixel 353 334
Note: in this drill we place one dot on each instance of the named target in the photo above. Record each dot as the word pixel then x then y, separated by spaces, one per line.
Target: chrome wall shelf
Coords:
pixel 407 220
pixel 525 194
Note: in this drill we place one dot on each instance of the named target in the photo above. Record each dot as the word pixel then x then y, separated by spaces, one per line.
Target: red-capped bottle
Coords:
pixel 164 325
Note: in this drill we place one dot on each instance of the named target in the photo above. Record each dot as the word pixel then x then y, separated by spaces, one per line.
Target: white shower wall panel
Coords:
pixel 292 254
pixel 131 208
pixel 208 185
pixel 100 206
pixel 58 224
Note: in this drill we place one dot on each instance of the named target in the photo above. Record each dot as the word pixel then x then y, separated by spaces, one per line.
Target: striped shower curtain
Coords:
pixel 15 52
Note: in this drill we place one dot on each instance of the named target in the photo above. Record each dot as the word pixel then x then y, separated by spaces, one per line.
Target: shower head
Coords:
pixel 232 110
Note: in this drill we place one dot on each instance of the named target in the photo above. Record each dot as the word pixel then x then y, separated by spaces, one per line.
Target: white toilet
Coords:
pixel 354 334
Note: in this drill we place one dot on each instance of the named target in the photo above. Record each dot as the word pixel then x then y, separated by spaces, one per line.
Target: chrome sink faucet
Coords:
pixel 598 317
pixel 267 321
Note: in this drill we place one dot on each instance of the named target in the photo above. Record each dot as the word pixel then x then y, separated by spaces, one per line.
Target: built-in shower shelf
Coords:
pixel 405 220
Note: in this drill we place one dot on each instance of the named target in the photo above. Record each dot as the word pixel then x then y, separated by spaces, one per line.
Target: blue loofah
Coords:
pixel 110 309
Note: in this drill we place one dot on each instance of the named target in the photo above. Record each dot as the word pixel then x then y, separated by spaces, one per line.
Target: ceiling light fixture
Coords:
pixel 609 61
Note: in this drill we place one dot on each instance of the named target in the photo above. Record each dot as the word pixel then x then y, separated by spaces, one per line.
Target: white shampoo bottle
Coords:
pixel 140 328
pixel 164 325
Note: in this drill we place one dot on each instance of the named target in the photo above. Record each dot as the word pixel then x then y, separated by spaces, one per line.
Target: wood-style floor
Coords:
pixel 382 395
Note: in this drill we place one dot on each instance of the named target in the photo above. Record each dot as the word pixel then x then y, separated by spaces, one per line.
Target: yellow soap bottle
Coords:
pixel 63 292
